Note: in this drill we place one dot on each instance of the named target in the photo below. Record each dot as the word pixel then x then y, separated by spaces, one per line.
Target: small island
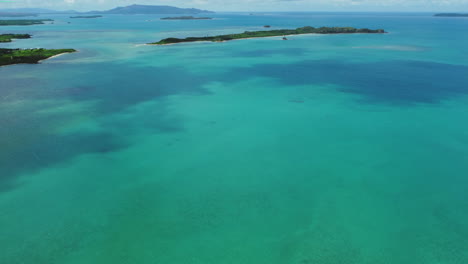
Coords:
pixel 24 22
pixel 185 18
pixel 16 56
pixel 96 16
pixel 9 14
pixel 8 37
pixel 451 15
pixel 271 33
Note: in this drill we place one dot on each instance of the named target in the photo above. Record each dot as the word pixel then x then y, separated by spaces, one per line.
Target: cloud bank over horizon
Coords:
pixel 252 5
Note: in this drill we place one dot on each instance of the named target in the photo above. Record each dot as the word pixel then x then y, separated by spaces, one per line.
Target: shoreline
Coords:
pixel 51 57
pixel 149 44
pixel 302 34
pixel 38 60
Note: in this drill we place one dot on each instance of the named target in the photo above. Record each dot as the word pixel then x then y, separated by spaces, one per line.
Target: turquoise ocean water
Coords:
pixel 317 150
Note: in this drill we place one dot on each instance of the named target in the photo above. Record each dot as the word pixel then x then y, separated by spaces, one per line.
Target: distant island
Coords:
pixel 96 16
pixel 23 22
pixel 130 10
pixel 8 37
pixel 185 18
pixel 151 9
pixel 451 15
pixel 8 14
pixel 270 33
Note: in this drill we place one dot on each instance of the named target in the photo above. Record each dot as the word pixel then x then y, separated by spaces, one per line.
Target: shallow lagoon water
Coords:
pixel 319 149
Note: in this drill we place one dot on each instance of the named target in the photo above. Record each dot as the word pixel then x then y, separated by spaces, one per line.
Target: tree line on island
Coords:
pixel 16 56
pixel 24 22
pixel 9 37
pixel 95 16
pixel 271 33
pixel 185 18
pixel 15 14
pixel 451 15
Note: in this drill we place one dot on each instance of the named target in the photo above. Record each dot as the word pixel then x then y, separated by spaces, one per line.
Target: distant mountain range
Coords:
pixel 132 9
pixel 149 9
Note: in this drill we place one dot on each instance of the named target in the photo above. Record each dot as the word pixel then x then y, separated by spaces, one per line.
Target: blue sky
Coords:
pixel 255 5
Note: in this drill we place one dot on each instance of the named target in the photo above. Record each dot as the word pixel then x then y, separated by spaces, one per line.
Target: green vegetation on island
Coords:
pixel 97 16
pixel 185 18
pixel 23 22
pixel 271 33
pixel 9 37
pixel 16 56
pixel 451 15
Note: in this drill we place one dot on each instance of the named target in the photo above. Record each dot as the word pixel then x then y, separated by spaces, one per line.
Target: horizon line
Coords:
pixel 248 11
